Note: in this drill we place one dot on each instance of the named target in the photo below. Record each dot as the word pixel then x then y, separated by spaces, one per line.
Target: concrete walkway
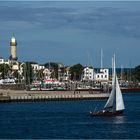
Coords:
pixel 23 95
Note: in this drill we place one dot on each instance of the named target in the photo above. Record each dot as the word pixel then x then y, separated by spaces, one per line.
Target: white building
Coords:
pixel 103 75
pixel 47 73
pixel 67 74
pixel 88 74
pixel 1 60
pixel 15 65
pixel 41 67
pixel 5 61
pixel 35 66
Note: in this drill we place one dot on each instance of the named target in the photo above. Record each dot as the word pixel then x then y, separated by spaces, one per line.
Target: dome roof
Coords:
pixel 13 39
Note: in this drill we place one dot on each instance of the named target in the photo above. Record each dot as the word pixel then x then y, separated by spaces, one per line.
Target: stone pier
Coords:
pixel 24 96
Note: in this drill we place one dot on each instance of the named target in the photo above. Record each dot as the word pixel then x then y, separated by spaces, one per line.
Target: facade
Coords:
pixel 67 74
pixel 4 61
pixel 7 61
pixel 103 75
pixel 41 67
pixel 47 73
pixel 15 65
pixel 88 74
pixel 1 60
pixel 35 67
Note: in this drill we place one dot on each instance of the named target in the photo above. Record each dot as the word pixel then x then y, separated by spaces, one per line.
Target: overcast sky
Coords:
pixel 72 32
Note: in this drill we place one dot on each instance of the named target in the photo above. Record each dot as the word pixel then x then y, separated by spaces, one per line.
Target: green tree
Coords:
pixel 16 74
pixel 136 73
pixel 4 70
pixel 28 73
pixel 40 75
pixel 76 72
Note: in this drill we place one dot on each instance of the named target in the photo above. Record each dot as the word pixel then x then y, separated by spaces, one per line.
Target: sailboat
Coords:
pixel 115 104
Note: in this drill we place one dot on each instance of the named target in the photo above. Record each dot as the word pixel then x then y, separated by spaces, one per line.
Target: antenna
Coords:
pixel 121 72
pixel 130 72
pixel 112 67
pixel 101 58
pixel 114 63
pixel 88 58
pixel 13 35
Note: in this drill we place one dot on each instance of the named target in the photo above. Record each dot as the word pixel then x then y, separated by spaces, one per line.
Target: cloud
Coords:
pixel 54 29
pixel 108 20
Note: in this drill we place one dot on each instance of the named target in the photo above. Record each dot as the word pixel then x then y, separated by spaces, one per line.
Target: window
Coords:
pixel 105 76
pixel 102 76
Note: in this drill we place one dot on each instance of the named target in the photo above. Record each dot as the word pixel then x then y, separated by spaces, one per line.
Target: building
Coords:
pixel 67 74
pixel 13 45
pixel 41 67
pixel 37 67
pixel 47 73
pixel 88 74
pixel 1 60
pixel 103 75
pixel 15 66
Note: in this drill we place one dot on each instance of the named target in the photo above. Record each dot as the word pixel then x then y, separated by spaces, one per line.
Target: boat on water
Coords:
pixel 115 104
pixel 47 85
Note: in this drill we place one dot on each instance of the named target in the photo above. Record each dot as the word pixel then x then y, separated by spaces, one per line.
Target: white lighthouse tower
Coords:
pixel 13 44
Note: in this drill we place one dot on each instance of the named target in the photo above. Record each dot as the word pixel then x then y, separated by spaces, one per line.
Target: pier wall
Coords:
pixel 12 86
pixel 33 96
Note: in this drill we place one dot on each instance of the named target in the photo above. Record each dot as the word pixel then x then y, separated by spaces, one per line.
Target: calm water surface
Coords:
pixel 68 119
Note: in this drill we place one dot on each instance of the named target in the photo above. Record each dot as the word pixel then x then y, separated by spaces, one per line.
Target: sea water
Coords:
pixel 68 120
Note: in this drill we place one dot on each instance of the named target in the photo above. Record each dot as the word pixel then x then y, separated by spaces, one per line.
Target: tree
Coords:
pixel 4 70
pixel 54 67
pixel 40 75
pixel 136 73
pixel 28 73
pixel 76 71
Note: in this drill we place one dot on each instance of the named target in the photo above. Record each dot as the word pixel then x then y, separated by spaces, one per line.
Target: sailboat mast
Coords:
pixel 119 98
pixel 114 64
pixel 112 69
pixel 110 101
pixel 101 58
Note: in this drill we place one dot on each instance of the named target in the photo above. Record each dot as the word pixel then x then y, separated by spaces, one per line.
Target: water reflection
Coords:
pixel 119 119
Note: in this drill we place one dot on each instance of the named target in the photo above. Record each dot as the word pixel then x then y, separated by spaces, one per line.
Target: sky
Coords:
pixel 72 32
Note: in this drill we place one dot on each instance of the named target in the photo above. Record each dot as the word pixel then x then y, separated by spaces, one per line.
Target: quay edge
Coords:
pixel 34 96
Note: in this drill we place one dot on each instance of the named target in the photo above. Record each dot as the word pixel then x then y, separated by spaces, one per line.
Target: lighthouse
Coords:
pixel 13 45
